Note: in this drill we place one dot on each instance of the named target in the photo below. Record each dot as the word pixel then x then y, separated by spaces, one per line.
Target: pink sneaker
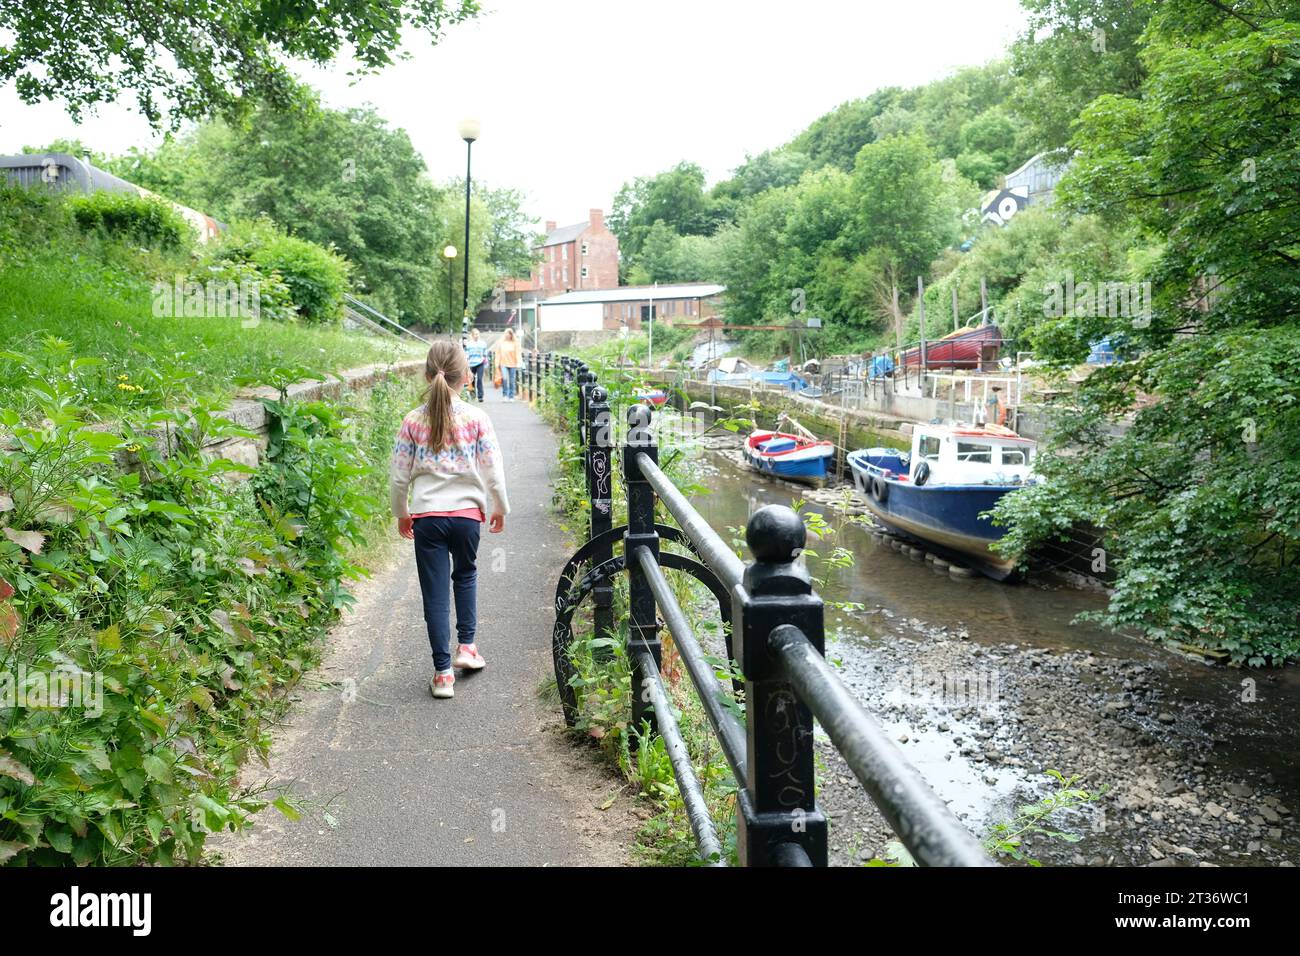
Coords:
pixel 468 657
pixel 443 685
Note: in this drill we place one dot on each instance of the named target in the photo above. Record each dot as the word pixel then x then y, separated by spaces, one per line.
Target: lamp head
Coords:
pixel 449 252
pixel 469 130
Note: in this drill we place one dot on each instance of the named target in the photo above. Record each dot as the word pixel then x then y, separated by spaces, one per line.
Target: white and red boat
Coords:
pixel 798 457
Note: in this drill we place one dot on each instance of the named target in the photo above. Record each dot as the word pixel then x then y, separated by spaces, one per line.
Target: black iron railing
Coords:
pixel 773 626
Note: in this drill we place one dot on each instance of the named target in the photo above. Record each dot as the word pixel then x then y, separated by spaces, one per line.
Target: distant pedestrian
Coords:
pixel 996 413
pixel 508 361
pixel 446 479
pixel 476 354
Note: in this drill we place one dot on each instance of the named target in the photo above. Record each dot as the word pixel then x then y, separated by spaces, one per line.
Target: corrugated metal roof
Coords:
pixel 565 234
pixel 637 293
pixel 61 170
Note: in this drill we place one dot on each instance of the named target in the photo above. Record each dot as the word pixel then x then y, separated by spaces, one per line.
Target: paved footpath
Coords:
pixel 392 776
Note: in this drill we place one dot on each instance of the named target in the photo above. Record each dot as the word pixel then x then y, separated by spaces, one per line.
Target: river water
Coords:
pixel 1175 741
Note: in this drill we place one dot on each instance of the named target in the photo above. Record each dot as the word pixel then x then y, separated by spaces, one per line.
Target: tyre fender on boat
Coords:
pixel 879 490
pixel 922 474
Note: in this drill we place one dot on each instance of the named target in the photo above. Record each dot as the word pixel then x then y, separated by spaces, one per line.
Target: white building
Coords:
pixel 627 307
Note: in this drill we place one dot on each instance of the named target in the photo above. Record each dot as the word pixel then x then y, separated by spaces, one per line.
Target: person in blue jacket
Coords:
pixel 476 354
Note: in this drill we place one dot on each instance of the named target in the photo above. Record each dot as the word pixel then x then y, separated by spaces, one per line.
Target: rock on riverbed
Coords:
pixel 984 722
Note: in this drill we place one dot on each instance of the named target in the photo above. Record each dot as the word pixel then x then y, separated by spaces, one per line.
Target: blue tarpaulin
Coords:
pixel 881 365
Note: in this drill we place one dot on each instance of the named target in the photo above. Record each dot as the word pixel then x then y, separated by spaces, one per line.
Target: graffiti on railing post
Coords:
pixel 600 482
pixel 643 627
pixel 777 590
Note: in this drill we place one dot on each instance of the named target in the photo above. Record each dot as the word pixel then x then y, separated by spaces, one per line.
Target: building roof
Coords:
pixel 565 234
pixel 636 293
pixel 65 170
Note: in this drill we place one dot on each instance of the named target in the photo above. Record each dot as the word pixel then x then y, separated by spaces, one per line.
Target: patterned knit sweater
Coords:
pixel 467 474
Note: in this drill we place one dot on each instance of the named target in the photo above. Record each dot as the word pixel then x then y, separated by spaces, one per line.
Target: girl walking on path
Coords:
pixel 446 479
pixel 508 360
pixel 476 354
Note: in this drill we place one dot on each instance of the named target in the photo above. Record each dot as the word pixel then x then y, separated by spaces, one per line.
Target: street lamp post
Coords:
pixel 469 132
pixel 449 253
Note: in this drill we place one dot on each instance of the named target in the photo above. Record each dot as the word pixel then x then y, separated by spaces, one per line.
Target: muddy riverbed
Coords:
pixel 988 686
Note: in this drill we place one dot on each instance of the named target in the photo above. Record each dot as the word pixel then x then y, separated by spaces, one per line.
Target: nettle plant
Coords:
pixel 131 564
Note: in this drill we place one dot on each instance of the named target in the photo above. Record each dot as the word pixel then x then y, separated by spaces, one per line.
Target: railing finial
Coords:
pixel 776 536
pixel 638 425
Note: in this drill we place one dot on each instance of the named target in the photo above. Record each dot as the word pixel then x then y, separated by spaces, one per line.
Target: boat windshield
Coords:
pixel 1015 456
pixel 974 452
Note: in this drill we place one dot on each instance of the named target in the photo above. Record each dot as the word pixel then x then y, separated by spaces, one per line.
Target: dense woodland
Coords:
pixel 1178 121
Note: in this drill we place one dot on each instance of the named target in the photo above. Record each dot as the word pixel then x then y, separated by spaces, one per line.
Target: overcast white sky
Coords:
pixel 577 97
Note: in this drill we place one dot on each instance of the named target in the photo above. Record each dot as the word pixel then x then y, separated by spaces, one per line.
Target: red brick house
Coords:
pixel 581 256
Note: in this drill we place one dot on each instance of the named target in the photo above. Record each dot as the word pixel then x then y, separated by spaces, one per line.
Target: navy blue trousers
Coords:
pixel 446 555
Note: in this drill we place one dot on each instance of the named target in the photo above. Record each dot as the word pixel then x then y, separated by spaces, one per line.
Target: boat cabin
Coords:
pixel 970 455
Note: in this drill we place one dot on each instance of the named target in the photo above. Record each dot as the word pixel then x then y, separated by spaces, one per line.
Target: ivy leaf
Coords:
pixel 109 639
pixel 202 697
pixel 9 767
pixel 31 541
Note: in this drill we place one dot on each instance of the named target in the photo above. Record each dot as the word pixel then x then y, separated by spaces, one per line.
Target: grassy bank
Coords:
pixel 103 292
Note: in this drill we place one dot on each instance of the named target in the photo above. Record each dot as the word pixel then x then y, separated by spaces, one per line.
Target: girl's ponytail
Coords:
pixel 445 364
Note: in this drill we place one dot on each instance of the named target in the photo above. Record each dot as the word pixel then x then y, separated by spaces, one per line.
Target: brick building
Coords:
pixel 581 256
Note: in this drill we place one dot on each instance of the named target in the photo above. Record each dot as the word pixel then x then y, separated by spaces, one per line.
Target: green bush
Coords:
pixel 148 221
pixel 275 297
pixel 317 278
pixel 29 219
pixel 153 617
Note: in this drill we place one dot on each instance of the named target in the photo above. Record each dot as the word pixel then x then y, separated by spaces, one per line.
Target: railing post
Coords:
pixel 600 486
pixel 643 627
pixel 586 379
pixel 778 804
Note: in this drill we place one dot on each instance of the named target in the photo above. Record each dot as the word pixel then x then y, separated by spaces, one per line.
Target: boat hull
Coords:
pixel 964 349
pixel 944 518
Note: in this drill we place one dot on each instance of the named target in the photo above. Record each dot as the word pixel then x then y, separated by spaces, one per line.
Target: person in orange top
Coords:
pixel 509 361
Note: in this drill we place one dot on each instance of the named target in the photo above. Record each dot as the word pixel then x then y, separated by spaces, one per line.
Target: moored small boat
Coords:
pixel 786 455
pixel 939 491
pixel 655 396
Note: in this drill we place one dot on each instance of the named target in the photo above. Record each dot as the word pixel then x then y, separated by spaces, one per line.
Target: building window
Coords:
pixel 584 272
pixel 585 248
pixel 566 273
pixel 564 252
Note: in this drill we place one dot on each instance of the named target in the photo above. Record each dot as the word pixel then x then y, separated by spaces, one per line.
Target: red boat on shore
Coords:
pixel 965 348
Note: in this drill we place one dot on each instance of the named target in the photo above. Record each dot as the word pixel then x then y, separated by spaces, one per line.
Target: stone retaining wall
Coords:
pixel 248 412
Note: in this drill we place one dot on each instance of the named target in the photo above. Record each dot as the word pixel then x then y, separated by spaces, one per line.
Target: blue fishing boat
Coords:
pixel 785 455
pixel 939 492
